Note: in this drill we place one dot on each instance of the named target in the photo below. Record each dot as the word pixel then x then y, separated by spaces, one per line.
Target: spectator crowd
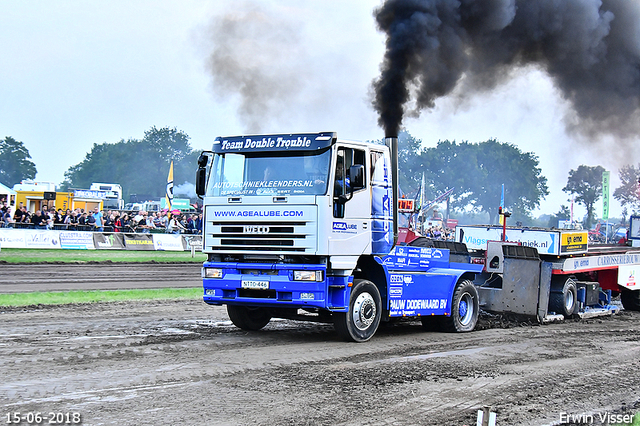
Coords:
pixel 101 221
pixel 440 233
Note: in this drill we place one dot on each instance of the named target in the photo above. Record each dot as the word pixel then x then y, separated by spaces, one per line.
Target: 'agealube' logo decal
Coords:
pixel 343 227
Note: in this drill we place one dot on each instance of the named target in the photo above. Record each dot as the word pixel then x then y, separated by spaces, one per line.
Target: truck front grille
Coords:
pixel 280 237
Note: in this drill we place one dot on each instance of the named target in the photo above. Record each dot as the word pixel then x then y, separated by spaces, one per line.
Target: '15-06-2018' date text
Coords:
pixel 50 418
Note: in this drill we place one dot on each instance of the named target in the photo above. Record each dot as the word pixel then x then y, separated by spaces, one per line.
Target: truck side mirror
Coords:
pixel 201 174
pixel 203 160
pixel 356 177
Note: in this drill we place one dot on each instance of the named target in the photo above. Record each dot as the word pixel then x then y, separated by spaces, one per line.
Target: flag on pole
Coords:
pixel 501 218
pixel 422 183
pixel 169 192
pixel 606 178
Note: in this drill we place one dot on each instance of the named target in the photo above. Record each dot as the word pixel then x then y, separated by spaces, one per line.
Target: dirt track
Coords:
pixel 97 276
pixel 182 362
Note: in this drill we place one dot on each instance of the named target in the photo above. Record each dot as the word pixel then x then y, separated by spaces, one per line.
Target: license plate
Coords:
pixel 260 285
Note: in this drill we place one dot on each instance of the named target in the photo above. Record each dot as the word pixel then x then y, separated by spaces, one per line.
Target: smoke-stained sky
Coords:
pixel 76 73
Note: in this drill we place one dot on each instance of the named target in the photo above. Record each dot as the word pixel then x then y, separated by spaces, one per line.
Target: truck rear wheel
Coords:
pixel 247 318
pixel 563 298
pixel 630 300
pixel 465 308
pixel 360 323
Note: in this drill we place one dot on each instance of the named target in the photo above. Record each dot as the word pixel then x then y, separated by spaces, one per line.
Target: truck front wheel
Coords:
pixel 630 300
pixel 360 323
pixel 465 308
pixel 247 318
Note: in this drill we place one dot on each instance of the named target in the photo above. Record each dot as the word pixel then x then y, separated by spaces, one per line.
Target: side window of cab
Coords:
pixel 343 187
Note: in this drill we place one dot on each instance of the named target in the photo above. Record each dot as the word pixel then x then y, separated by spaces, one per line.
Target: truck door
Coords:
pixel 351 227
pixel 381 203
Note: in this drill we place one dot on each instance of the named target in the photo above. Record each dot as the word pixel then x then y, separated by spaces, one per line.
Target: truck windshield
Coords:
pixel 269 173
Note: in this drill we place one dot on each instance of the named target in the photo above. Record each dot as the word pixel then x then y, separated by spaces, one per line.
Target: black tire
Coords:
pixel 360 323
pixel 630 300
pixel 465 309
pixel 246 318
pixel 563 298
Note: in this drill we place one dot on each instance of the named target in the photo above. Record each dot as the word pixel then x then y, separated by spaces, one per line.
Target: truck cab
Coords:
pixel 301 226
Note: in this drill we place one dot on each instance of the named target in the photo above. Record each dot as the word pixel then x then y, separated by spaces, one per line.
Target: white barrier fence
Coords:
pixel 83 240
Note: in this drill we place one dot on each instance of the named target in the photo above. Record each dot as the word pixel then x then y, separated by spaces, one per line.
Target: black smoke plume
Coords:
pixel 589 48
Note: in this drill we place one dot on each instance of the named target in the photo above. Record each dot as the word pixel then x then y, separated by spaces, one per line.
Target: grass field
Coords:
pixel 68 297
pixel 74 256
pixel 83 256
pixel 636 421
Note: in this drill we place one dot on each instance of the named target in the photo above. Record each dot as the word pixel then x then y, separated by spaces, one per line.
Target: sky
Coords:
pixel 78 73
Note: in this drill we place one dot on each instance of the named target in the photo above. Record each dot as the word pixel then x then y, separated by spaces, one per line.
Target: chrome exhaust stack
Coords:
pixel 392 143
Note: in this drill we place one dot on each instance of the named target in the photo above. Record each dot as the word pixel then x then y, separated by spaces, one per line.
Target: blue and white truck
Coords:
pixel 302 226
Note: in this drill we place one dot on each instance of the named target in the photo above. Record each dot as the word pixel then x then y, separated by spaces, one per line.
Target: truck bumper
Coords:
pixel 273 285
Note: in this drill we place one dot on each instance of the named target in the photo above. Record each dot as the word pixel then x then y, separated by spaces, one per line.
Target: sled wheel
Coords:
pixel 247 318
pixel 360 323
pixel 464 309
pixel 564 300
pixel 630 300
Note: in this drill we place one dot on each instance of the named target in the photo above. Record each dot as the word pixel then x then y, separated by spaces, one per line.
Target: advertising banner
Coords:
pixel 89 193
pixel 476 237
pixel 111 241
pixel 76 240
pixel 138 242
pixel 190 240
pixel 593 263
pixel 41 239
pixel 84 240
pixel 574 242
pixel 172 242
pixel 12 238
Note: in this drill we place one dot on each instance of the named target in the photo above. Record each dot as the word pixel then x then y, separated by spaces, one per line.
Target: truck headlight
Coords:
pixel 307 276
pixel 212 272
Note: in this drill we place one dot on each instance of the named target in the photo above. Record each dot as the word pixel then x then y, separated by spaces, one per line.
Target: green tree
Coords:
pixel 503 163
pixel 409 163
pixel 628 193
pixel 563 214
pixel 140 166
pixel 446 167
pixel 477 172
pixel 15 162
pixel 586 184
